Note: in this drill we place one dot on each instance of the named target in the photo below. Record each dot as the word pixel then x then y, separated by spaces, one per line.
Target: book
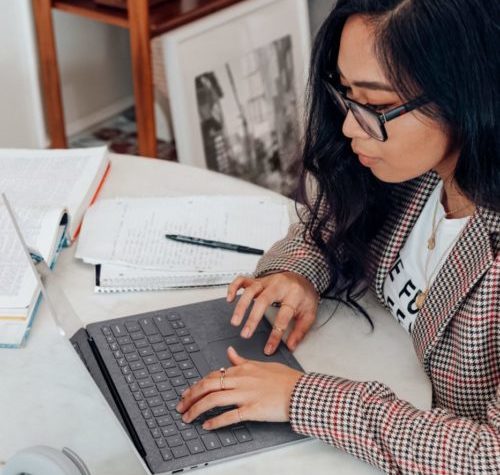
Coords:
pixel 125 239
pixel 49 191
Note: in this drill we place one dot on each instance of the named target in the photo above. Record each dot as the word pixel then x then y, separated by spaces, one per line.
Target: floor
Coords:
pixel 120 134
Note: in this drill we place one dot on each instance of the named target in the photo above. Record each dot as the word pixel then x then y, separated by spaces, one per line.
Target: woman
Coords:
pixel 402 142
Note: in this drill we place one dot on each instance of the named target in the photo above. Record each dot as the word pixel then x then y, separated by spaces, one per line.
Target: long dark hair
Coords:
pixel 445 50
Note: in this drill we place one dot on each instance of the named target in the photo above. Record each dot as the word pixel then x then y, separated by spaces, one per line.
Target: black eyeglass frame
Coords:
pixel 382 118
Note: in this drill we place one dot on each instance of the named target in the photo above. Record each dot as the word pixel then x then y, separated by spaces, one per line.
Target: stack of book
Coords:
pixel 49 191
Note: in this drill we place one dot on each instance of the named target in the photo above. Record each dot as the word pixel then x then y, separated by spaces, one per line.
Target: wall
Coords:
pixel 94 62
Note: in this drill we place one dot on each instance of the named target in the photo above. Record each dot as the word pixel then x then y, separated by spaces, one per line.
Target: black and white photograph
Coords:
pixel 248 117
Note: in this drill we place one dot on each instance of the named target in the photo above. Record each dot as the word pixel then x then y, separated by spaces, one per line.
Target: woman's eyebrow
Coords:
pixel 373 85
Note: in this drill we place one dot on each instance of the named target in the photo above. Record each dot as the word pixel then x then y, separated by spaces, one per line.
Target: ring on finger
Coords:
pixel 222 372
pixel 278 329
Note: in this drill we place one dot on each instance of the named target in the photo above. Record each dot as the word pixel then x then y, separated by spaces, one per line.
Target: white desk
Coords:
pixel 47 396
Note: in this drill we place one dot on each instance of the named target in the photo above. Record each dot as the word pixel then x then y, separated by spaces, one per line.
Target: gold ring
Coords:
pixel 278 329
pixel 222 372
pixel 282 304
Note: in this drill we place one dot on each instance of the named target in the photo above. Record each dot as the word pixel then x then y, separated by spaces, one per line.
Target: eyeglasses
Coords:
pixel 371 121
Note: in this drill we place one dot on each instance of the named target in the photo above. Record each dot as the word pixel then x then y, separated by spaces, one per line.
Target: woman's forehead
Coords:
pixel 357 61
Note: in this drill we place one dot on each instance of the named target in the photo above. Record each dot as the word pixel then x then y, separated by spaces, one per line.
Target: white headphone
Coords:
pixel 43 460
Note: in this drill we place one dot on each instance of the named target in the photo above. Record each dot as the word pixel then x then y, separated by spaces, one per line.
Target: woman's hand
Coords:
pixel 298 299
pixel 261 392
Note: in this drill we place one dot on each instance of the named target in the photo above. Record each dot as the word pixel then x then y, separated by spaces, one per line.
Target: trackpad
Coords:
pixel 216 351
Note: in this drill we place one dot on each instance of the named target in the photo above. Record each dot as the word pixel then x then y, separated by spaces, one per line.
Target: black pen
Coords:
pixel 214 244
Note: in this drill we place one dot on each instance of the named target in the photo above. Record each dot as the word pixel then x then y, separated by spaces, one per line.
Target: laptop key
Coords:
pixel 141 374
pixel 159 411
pixel 192 348
pixel 227 438
pixel 159 346
pixel 164 420
pixel 129 378
pixel 145 351
pixel 155 339
pixel 171 340
pixel 145 383
pixel 195 446
pixel 156 433
pixel 155 368
pixel 242 434
pixel 163 325
pixel 132 327
pixel 155 401
pixel 189 434
pixel 126 370
pixel 169 395
pixel 171 405
pixel 211 441
pixel 134 387
pixel 176 347
pixel 135 365
pixel 181 356
pixel 182 332
pixel 150 392
pixel 174 441
pixel 121 361
pixel 161 443
pixel 159 377
pixel 185 340
pixel 180 389
pixel 164 386
pixel 176 325
pixel 114 346
pixel 148 327
pixel 173 372
pixel 137 335
pixel 181 425
pixel 132 357
pixel 166 454
pixel 173 317
pixel 118 329
pixel 123 340
pixel 179 452
pixel 106 331
pixel 185 365
pixel 169 430
pixel 143 405
pixel 141 344
pixel 167 364
pixel 164 355
pixel 151 423
pixel 191 373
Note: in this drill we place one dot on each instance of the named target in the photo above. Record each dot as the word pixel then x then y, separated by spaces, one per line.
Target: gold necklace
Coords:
pixel 431 244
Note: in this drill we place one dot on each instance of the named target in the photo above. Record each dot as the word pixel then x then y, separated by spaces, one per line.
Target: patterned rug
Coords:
pixel 120 134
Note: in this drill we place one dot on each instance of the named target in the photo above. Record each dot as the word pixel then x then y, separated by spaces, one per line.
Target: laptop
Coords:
pixel 142 363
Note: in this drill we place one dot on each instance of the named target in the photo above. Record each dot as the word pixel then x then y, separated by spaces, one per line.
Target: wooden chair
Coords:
pixel 143 23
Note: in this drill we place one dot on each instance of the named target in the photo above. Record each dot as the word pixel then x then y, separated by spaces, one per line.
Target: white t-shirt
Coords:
pixel 406 279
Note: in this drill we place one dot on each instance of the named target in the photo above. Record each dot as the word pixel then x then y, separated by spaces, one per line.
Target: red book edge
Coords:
pixel 94 198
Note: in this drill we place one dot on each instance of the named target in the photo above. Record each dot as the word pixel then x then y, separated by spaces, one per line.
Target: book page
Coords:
pixel 41 230
pixel 132 231
pixel 53 178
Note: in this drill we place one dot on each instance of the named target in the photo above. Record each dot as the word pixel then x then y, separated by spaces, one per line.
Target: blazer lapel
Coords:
pixel 391 239
pixel 471 257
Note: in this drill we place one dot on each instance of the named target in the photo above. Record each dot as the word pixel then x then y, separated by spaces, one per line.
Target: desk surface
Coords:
pixel 47 397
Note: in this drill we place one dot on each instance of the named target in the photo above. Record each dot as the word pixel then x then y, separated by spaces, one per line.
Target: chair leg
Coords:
pixel 138 14
pixel 51 86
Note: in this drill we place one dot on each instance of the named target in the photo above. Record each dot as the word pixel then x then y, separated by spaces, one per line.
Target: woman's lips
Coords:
pixel 367 161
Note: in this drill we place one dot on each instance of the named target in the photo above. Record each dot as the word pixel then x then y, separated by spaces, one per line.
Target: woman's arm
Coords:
pixel 370 422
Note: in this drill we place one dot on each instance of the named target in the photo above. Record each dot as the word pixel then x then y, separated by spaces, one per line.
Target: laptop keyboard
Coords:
pixel 158 359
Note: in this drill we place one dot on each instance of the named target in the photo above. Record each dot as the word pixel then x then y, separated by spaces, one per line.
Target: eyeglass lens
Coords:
pixel 367 120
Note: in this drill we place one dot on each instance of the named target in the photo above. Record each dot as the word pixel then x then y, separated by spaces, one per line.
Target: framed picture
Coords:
pixel 236 82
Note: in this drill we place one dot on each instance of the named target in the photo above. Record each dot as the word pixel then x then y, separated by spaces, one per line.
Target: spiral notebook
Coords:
pixel 125 239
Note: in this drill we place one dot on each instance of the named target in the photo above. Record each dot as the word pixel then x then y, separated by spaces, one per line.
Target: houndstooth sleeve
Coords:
pixel 368 421
pixel 294 254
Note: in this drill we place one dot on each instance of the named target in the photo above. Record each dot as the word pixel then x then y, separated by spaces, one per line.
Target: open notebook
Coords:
pixel 125 239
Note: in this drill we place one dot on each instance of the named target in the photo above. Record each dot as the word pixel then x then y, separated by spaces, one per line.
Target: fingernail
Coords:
pixel 178 408
pixel 245 333
pixel 268 349
pixel 206 425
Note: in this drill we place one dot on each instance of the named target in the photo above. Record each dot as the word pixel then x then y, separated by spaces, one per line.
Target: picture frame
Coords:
pixel 236 83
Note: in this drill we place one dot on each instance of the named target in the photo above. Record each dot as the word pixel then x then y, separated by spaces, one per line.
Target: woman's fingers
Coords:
pixel 210 401
pixel 234 358
pixel 260 305
pixel 283 317
pixel 227 418
pixel 234 286
pixel 302 325
pixel 245 300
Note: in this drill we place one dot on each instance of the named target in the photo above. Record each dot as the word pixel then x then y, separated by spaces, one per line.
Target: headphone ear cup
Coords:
pixel 41 460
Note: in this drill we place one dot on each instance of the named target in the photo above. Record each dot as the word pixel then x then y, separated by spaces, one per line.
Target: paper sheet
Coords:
pixel 132 231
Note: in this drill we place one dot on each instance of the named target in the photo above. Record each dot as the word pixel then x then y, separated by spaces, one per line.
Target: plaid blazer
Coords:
pixel 456 337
